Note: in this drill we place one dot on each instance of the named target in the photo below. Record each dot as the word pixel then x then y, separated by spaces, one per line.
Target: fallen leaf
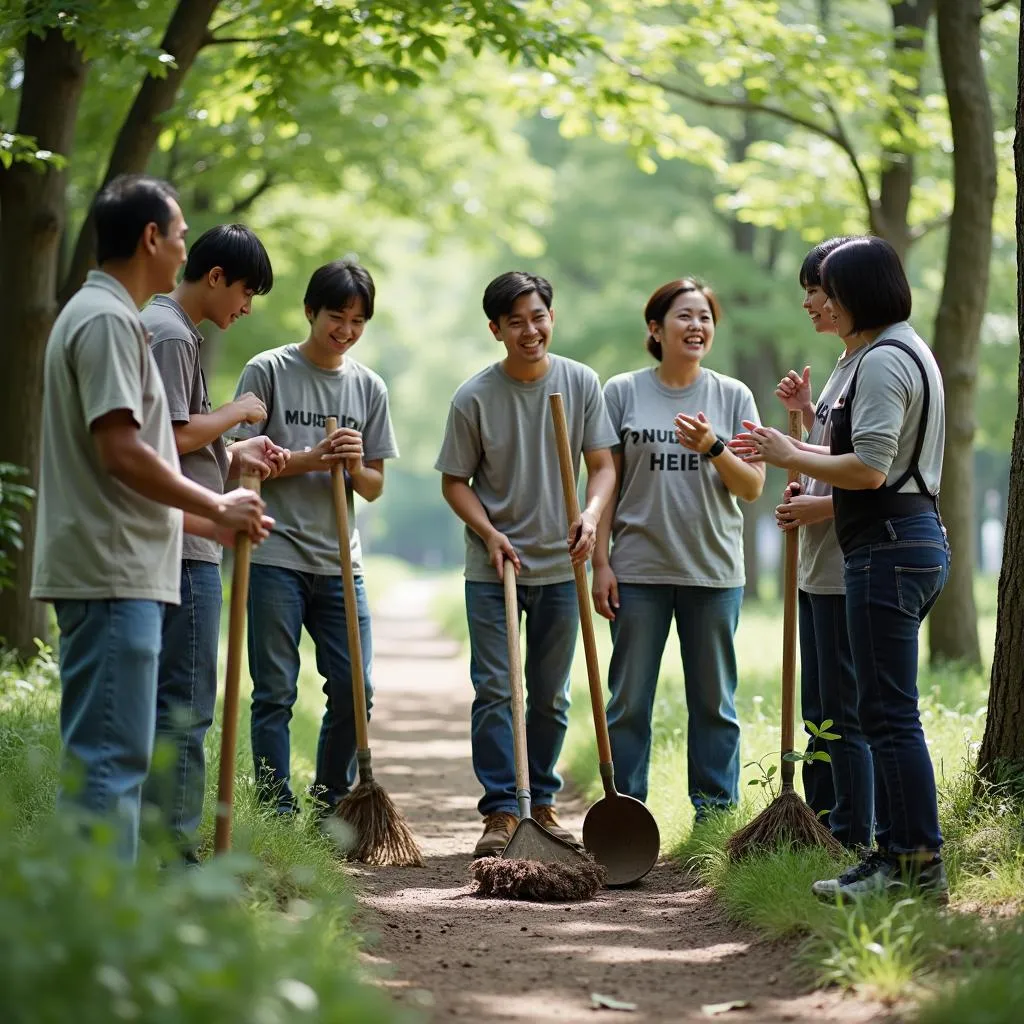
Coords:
pixel 714 1009
pixel 608 1003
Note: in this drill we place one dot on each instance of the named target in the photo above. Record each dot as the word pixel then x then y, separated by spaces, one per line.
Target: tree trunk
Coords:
pixel 953 626
pixel 1002 746
pixel 185 35
pixel 32 212
pixel 897 178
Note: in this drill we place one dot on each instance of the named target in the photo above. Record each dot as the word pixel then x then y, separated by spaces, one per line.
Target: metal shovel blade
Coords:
pixel 620 833
pixel 531 841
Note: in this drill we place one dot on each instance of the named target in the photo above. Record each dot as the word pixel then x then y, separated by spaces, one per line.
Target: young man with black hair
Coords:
pixel 295 579
pixel 500 474
pixel 108 534
pixel 226 267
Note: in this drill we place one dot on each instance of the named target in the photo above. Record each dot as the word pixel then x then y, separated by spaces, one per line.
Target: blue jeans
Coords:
pixel 186 698
pixel 109 653
pixel 891 586
pixel 845 788
pixel 552 622
pixel 706 620
pixel 281 602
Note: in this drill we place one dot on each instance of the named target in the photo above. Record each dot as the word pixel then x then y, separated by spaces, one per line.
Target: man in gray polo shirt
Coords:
pixel 108 536
pixel 227 266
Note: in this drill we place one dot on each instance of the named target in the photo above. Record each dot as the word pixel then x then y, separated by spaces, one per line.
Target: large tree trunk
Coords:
pixel 909 21
pixel 185 36
pixel 1002 747
pixel 953 629
pixel 32 211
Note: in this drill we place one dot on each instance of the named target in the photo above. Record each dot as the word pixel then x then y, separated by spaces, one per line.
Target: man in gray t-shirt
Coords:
pixel 296 583
pixel 108 538
pixel 500 474
pixel 226 267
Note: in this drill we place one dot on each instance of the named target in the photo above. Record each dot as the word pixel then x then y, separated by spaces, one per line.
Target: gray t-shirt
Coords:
pixel 500 437
pixel 675 521
pixel 299 397
pixel 887 410
pixel 174 342
pixel 821 560
pixel 96 538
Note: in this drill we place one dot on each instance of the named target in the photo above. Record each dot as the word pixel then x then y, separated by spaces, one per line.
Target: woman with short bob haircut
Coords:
pixel 676 534
pixel 884 462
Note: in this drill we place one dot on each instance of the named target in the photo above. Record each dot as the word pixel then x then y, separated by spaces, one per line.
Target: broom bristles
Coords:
pixel 383 837
pixel 787 819
pixel 514 879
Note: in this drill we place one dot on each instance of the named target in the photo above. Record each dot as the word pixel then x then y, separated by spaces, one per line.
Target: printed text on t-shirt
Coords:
pixel 298 417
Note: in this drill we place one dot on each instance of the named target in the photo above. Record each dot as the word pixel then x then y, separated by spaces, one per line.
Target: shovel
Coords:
pixel 619 831
pixel 530 841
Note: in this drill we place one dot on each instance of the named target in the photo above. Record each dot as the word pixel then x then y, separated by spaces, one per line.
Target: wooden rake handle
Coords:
pixel 515 682
pixel 789 617
pixel 232 682
pixel 348 579
pixel 572 513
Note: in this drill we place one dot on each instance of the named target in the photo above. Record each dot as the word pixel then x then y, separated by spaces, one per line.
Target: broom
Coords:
pixel 535 865
pixel 232 679
pixel 382 836
pixel 787 819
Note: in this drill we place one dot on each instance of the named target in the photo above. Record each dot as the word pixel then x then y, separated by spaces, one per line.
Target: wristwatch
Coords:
pixel 716 449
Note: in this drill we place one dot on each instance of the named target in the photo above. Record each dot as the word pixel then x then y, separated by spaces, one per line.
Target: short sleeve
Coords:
pixel 177 360
pixel 614 405
pixel 598 431
pixel 746 409
pixel 884 392
pixel 461 450
pixel 378 434
pixel 257 379
pixel 107 357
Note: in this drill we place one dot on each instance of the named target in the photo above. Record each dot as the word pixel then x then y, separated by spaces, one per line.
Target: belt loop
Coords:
pixel 892 532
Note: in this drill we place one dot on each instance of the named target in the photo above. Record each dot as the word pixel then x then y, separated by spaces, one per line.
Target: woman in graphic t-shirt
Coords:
pixel 884 462
pixel 676 536
pixel 844 788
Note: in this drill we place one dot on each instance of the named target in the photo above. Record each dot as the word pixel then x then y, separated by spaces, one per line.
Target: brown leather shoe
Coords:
pixel 547 817
pixel 498 829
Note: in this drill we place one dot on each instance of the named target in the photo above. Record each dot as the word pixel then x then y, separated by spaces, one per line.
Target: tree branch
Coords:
pixel 211 40
pixel 995 5
pixel 243 204
pixel 929 226
pixel 844 143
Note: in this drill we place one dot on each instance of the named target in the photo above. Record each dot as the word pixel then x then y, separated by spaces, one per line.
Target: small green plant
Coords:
pixel 15 497
pixel 767 776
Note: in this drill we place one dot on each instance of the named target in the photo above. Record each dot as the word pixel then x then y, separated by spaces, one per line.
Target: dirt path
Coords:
pixel 663 946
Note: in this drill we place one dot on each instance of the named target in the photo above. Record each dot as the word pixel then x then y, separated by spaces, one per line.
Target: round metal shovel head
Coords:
pixel 620 833
pixel 531 841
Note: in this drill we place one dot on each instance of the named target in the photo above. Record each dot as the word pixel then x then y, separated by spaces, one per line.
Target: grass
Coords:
pixel 907 950
pixel 285 877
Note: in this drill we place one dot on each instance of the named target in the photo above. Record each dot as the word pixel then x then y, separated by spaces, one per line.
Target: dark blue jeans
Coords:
pixel 281 602
pixel 109 652
pixel 186 698
pixel 891 586
pixel 552 622
pixel 845 788
pixel 706 620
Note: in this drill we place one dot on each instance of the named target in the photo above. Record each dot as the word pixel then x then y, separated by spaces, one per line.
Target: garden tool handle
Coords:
pixel 572 512
pixel 348 580
pixel 515 682
pixel 789 615
pixel 232 681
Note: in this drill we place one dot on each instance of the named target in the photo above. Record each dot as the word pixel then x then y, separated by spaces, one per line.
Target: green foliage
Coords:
pixel 14 499
pixel 263 935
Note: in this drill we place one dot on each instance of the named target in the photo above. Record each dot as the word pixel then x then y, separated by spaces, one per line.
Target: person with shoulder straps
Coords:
pixel 843 788
pixel 884 462
pixel 670 545
pixel 226 267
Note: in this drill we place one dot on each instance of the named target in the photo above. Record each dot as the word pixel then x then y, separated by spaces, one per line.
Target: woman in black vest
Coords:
pixel 884 463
